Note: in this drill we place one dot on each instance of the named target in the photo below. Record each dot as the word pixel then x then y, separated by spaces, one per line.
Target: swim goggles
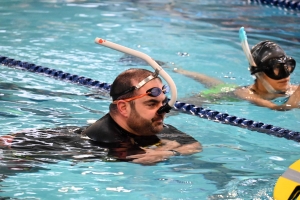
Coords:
pixel 279 68
pixel 152 92
pixel 139 85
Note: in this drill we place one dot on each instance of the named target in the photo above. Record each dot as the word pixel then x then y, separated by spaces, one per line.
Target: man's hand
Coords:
pixel 162 153
pixel 151 156
pixel 167 145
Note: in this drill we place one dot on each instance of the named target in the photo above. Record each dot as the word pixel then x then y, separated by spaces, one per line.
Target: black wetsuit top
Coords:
pixel 104 138
pixel 106 132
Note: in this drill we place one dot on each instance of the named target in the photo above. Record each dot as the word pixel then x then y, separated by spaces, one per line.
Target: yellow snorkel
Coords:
pixel 158 69
pixel 246 49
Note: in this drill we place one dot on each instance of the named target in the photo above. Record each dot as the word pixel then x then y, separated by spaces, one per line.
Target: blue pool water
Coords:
pixel 197 35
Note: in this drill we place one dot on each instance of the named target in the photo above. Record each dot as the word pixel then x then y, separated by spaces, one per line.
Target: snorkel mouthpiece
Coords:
pixel 158 69
pixel 164 109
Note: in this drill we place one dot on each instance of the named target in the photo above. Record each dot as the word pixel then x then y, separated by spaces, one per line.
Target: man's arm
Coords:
pixel 184 149
pixel 188 149
pixel 165 151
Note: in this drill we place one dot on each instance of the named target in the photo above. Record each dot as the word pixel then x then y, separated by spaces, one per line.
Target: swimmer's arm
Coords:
pixel 245 94
pixel 294 100
pixel 203 79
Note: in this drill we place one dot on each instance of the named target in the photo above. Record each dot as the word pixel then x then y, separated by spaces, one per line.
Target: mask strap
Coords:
pixel 265 83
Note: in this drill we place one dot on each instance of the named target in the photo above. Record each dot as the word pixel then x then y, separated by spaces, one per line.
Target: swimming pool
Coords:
pixel 197 35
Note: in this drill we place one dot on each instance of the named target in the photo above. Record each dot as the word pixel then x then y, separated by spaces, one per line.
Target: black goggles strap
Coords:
pixel 139 85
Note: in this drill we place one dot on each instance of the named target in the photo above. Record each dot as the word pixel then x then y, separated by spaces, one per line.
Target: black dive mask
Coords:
pixel 279 68
pixel 272 60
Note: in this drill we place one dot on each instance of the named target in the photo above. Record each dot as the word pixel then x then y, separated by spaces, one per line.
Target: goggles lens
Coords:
pixel 155 92
pixel 152 92
pixel 280 68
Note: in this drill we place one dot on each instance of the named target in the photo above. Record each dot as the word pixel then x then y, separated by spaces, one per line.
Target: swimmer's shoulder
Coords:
pixel 242 91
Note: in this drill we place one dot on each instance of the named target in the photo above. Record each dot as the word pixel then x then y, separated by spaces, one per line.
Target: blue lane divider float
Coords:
pixel 287 4
pixel 179 106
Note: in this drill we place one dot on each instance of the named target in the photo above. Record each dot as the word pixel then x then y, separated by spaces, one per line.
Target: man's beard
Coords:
pixel 143 126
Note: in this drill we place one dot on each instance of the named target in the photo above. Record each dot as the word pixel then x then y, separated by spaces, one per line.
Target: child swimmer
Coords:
pixel 272 71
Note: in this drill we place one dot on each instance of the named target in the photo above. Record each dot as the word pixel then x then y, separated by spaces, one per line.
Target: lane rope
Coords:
pixel 285 4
